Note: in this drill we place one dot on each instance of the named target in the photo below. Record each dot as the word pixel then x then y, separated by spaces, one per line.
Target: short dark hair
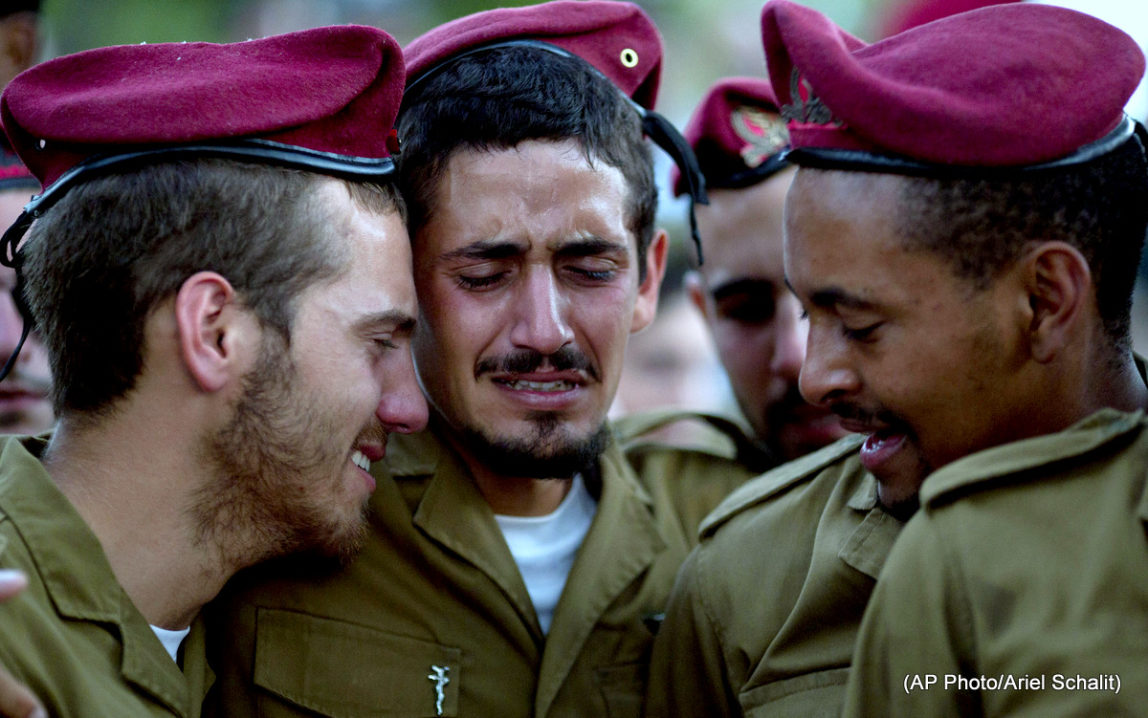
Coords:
pixel 497 99
pixel 115 247
pixel 981 225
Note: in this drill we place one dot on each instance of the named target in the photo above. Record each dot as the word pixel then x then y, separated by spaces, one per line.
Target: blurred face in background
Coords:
pixel 754 319
pixel 25 405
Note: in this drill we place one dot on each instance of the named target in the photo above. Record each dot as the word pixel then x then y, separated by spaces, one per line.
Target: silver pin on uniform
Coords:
pixel 438 674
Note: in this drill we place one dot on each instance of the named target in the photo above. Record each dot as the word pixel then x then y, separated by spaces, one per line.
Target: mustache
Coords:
pixel 523 361
pixel 852 412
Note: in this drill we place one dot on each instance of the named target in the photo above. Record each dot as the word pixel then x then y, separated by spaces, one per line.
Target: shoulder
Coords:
pixel 1104 443
pixel 827 466
pixel 713 436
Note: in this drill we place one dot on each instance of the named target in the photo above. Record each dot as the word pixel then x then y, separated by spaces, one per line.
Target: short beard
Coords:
pixel 263 462
pixel 545 454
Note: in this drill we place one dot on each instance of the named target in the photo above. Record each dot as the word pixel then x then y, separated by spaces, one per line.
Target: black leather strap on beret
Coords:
pixel 862 161
pixel 749 177
pixel 660 130
pixel 253 150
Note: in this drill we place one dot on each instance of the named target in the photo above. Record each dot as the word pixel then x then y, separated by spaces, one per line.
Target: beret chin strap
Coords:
pixel 660 130
pixel 666 136
pixel 749 177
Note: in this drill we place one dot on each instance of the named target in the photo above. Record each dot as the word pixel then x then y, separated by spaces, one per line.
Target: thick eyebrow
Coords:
pixel 395 320
pixel 485 249
pixel 741 286
pixel 832 297
pixel 590 246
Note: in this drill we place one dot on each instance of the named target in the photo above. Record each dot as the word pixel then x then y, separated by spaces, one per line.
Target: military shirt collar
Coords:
pixel 985 467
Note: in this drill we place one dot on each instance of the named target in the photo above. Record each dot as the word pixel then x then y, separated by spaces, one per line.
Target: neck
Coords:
pixel 518 496
pixel 133 486
pixel 1120 385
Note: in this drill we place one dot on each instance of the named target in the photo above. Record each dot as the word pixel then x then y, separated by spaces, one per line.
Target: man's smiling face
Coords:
pixel 899 345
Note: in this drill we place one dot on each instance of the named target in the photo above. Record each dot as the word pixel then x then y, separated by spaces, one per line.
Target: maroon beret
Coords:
pixel 323 99
pixel 617 38
pixel 1003 86
pixel 901 16
pixel 737 134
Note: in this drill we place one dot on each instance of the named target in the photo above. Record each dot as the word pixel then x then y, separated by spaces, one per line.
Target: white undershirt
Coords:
pixel 171 639
pixel 544 546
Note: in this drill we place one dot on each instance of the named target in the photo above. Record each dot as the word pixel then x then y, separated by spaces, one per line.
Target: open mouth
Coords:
pixel 541 386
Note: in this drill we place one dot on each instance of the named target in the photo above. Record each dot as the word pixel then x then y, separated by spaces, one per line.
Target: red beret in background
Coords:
pixel 617 38
pixel 332 90
pixel 1003 86
pixel 737 134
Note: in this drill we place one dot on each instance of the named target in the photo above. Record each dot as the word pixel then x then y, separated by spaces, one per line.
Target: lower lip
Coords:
pixel 879 450
pixel 367 478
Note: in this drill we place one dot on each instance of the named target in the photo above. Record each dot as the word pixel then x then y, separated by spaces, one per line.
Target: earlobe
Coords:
pixel 646 305
pixel 205 312
pixel 1059 285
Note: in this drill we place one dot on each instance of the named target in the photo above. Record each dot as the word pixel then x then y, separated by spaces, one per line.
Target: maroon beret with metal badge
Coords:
pixel 617 39
pixel 737 134
pixel 1003 87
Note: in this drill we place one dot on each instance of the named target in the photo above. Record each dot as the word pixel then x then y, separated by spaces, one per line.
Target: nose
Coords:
pixel 789 341
pixel 402 408
pixel 826 375
pixel 539 315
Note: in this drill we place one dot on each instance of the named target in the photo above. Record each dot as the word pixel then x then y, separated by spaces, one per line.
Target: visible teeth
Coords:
pixel 524 385
pixel 361 461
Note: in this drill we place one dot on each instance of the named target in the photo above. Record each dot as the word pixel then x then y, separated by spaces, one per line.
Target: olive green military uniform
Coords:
pixel 765 612
pixel 436 601
pixel 1027 565
pixel 73 636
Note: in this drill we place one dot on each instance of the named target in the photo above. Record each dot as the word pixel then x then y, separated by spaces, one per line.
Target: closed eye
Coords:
pixel 862 334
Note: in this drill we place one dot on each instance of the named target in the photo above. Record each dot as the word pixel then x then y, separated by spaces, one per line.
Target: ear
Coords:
pixel 1059 286
pixel 209 322
pixel 646 305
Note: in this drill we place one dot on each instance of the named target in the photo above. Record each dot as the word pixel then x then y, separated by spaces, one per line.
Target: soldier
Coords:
pixel 222 275
pixel 516 566
pixel 963 232
pixel 739 137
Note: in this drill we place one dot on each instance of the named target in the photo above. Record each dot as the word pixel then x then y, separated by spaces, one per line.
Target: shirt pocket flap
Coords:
pixel 813 695
pixel 345 670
